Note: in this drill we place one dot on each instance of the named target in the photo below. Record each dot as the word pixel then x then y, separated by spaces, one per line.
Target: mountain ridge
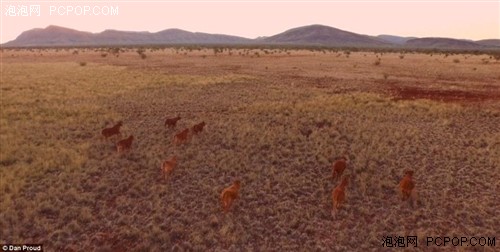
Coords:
pixel 310 35
pixel 322 35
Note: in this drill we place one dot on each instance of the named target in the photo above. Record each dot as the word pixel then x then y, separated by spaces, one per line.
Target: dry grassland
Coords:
pixel 275 120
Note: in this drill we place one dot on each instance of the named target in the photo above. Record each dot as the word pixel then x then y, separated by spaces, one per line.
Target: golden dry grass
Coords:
pixel 275 121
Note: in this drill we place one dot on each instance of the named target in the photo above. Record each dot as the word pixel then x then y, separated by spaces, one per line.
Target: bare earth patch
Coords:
pixel 412 93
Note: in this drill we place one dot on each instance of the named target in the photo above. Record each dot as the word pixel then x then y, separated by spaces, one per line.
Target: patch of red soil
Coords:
pixel 412 93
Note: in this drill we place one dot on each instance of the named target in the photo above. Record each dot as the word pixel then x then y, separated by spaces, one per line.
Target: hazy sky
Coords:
pixel 252 18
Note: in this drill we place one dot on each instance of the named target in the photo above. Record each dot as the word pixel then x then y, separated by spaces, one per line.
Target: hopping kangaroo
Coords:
pixel 406 185
pixel 171 122
pixel 338 167
pixel 115 130
pixel 198 128
pixel 229 195
pixel 124 144
pixel 181 137
pixel 168 166
pixel 338 194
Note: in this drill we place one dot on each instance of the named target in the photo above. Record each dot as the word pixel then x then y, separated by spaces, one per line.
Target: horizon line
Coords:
pixel 172 28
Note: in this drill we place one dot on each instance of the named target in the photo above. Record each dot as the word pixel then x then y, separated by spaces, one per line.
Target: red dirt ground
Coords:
pixel 413 93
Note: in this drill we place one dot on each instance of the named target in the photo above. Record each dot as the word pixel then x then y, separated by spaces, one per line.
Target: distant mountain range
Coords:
pixel 318 35
pixel 60 36
pixel 323 35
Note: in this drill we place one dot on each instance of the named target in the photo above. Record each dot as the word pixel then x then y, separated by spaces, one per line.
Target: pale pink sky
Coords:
pixel 251 18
